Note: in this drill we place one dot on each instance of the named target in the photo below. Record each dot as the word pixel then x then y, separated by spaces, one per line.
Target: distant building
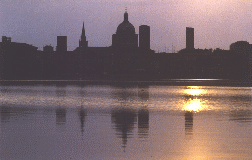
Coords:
pixel 243 59
pixel 6 40
pixel 83 43
pixel 7 45
pixel 16 60
pixel 125 36
pixel 144 37
pixel 61 44
pixel 240 47
pixel 189 38
pixel 48 48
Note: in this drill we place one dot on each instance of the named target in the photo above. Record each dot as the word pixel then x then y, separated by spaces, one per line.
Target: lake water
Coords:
pixel 125 122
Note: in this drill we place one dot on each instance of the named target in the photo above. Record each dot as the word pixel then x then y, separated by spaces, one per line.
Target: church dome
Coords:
pixel 125 27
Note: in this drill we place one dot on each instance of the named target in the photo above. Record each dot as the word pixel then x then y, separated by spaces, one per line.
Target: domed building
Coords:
pixel 125 37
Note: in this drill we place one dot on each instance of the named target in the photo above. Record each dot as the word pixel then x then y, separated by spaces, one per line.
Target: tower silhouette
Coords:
pixel 83 43
pixel 144 37
pixel 61 43
pixel 189 38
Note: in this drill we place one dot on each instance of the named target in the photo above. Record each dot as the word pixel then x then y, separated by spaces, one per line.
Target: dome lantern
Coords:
pixel 126 16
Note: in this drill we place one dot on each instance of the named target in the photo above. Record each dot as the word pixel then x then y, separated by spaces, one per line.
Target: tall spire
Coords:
pixel 83 36
pixel 83 42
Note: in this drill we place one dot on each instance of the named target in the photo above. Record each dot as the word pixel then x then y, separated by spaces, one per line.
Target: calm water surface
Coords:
pixel 130 122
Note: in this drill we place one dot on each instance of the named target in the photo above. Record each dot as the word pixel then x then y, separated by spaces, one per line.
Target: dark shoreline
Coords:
pixel 169 82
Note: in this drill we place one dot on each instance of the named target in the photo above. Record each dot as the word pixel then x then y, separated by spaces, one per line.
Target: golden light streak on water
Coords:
pixel 193 91
pixel 192 105
pixel 193 100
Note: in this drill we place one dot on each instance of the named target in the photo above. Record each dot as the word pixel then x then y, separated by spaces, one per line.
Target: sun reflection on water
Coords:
pixel 193 91
pixel 192 105
pixel 193 101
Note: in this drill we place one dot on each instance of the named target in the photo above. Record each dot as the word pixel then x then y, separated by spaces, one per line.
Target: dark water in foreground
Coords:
pixel 134 122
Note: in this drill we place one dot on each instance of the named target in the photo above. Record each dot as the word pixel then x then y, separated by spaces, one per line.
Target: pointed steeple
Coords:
pixel 83 42
pixel 83 36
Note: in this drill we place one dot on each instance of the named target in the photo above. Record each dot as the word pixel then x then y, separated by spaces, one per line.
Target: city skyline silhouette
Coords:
pixel 126 58
pixel 167 19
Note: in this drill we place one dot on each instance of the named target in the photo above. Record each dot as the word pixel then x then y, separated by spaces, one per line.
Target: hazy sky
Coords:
pixel 216 23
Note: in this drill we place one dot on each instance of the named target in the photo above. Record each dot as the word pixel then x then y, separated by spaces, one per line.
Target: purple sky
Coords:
pixel 216 23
